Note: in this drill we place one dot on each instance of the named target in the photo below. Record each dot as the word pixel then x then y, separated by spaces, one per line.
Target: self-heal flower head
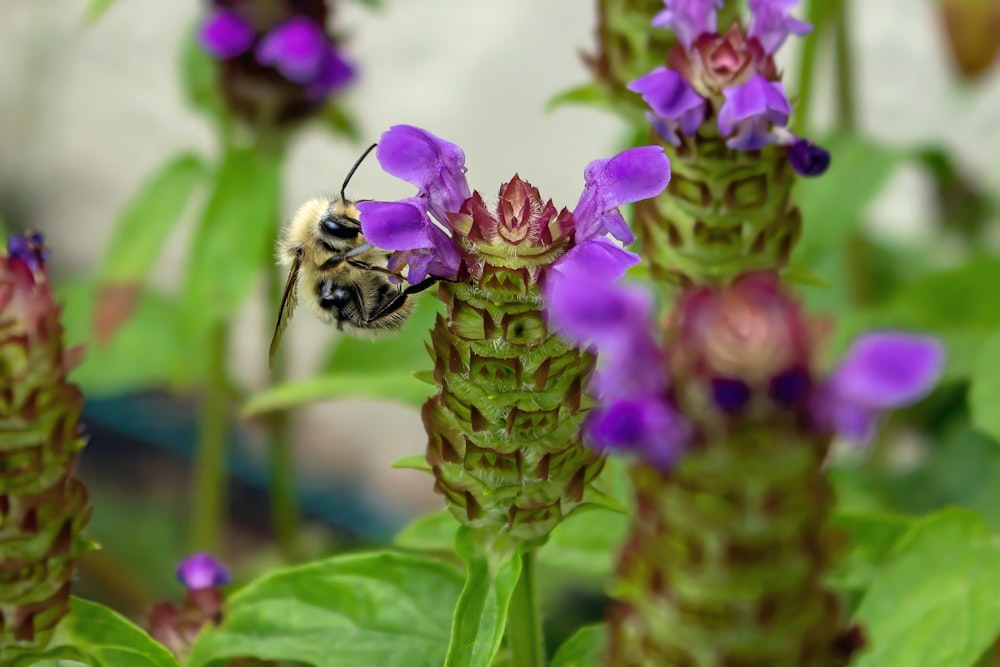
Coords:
pixel 771 22
pixel 201 570
pixel 226 34
pixel 750 110
pixel 879 372
pixel 676 105
pixel 689 19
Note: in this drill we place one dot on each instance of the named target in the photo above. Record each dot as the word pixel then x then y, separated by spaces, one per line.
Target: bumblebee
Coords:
pixel 343 278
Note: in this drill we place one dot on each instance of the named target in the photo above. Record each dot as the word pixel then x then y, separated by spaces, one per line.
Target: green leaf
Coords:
pixel 151 348
pixel 199 74
pixel 235 237
pixel 481 613
pixel 860 168
pixel 953 299
pixel 390 386
pixel 95 9
pixel 936 602
pixel 430 532
pixel 591 94
pixel 143 227
pixel 586 648
pixel 984 393
pixel 872 537
pixel 385 609
pixel 100 637
pixel 415 462
pixel 586 544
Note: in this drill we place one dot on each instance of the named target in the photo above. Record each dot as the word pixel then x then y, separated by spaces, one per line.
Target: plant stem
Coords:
pixel 281 459
pixel 209 499
pixel 807 66
pixel 846 103
pixel 524 622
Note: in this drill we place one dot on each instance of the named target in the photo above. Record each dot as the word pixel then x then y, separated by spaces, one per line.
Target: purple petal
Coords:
pixel 888 370
pixel 225 34
pixel 808 159
pixel 771 23
pixel 672 98
pixel 648 426
pixel 849 420
pixel 598 259
pixel 689 19
pixel 629 365
pixel 395 225
pixel 201 570
pixel 435 166
pixel 334 74
pixel 591 311
pixel 630 176
pixel 28 249
pixel 749 108
pixel 296 48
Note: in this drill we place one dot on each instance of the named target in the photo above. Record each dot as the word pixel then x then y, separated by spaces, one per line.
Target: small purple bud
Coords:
pixel 226 34
pixel 791 387
pixel 731 396
pixel 297 48
pixel 201 570
pixel 808 159
pixel 28 249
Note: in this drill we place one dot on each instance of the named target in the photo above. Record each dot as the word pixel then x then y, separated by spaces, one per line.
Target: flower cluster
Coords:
pixel 743 351
pixel 286 55
pixel 176 627
pixel 444 230
pixel 729 75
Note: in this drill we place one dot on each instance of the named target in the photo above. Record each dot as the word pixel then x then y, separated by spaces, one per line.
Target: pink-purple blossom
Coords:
pixel 689 19
pixel 771 22
pixel 749 112
pixel 226 34
pixel 675 104
pixel 202 570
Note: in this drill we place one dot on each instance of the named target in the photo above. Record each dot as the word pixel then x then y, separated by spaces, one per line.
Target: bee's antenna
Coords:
pixel 357 164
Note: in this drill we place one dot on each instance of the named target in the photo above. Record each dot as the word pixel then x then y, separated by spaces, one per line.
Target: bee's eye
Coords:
pixel 341 230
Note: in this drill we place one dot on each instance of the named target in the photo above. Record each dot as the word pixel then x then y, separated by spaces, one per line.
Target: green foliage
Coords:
pixel 96 636
pixel 235 236
pixel 391 386
pixel 936 601
pixel 481 613
pixel 340 122
pixel 96 8
pixel 872 537
pixel 149 218
pixel 151 348
pixel 584 649
pixel 385 609
pixel 199 73
pixel 984 395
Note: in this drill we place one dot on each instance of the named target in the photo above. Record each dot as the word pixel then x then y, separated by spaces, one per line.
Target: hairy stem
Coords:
pixel 524 623
pixel 209 500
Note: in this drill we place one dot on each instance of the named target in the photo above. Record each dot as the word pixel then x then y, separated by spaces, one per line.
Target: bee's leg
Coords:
pixel 396 302
pixel 358 264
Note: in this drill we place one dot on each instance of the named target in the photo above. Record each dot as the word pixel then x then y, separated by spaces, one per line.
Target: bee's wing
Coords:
pixel 288 301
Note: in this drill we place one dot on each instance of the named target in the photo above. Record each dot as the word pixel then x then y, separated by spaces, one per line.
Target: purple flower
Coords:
pixel 297 48
pixel 771 22
pixel 200 570
pixel 335 73
pixel 808 159
pixel 226 34
pixel 675 103
pixel 689 19
pixel 750 109
pixel 437 168
pixel 28 249
pixel 649 426
pixel 880 371
pixel 632 175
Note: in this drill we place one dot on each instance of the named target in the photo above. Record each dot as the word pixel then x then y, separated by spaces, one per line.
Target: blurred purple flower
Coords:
pixel 675 103
pixel 201 570
pixel 649 426
pixel 689 19
pixel 808 159
pixel 880 371
pixel 771 22
pixel 750 109
pixel 296 48
pixel 335 73
pixel 225 34
pixel 28 249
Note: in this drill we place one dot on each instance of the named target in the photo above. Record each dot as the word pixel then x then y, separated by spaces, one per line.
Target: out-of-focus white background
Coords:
pixel 88 111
